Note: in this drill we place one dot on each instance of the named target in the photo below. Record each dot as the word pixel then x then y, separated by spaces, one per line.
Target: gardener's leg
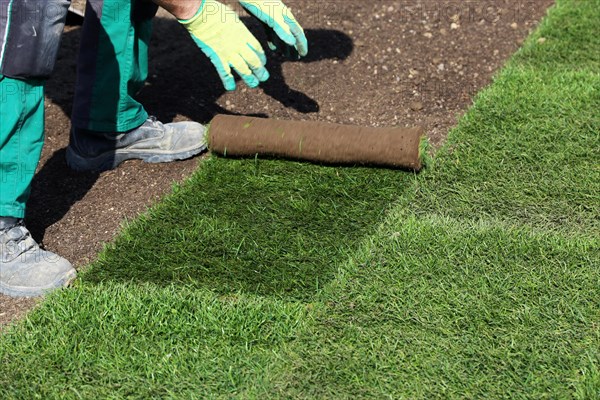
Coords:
pixel 112 65
pixel 21 141
pixel 109 125
pixel 25 269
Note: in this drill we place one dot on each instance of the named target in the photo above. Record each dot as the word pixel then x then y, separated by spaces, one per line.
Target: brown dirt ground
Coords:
pixel 372 63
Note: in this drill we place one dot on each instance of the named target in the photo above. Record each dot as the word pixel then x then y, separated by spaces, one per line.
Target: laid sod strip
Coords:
pixel 476 279
pixel 264 227
pixel 142 341
pixel 565 41
pixel 528 152
pixel 529 149
pixel 437 308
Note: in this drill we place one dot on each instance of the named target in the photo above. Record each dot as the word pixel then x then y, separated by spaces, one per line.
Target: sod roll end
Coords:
pixel 318 142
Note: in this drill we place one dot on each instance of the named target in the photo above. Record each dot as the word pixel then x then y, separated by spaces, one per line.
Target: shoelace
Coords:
pixel 17 242
pixel 155 122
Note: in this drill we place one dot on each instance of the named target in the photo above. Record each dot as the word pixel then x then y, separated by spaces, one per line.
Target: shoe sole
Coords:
pixel 62 282
pixel 111 160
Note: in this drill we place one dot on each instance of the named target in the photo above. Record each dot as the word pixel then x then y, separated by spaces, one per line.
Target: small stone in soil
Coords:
pixel 416 106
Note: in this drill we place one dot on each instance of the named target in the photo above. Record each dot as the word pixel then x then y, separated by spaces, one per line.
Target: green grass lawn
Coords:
pixel 478 278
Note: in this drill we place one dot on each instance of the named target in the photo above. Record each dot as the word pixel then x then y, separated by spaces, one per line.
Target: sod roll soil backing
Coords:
pixel 317 142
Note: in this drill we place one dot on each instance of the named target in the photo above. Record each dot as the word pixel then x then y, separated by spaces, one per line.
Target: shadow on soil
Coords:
pixel 182 82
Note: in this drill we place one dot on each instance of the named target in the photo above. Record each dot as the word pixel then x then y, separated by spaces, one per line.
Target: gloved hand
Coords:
pixel 279 17
pixel 220 34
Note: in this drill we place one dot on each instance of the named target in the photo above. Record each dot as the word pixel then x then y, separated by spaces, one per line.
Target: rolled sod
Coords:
pixel 318 142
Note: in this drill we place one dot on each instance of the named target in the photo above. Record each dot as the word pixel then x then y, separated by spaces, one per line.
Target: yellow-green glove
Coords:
pixel 279 17
pixel 220 34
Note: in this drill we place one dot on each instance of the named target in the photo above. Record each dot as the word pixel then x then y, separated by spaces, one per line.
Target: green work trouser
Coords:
pixel 112 65
pixel 21 140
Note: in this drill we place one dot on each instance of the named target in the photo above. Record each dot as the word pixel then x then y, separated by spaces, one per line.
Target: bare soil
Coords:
pixel 371 63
